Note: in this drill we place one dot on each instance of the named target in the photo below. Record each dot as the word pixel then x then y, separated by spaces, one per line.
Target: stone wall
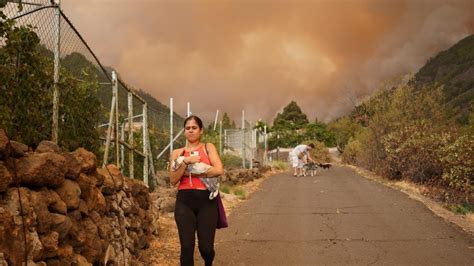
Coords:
pixel 70 211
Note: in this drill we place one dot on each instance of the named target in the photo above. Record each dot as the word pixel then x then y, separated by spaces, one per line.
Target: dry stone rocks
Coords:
pixel 41 169
pixel 47 146
pixel 61 224
pixel 5 177
pixel 4 145
pixel 50 244
pixel 56 204
pixel 115 176
pixel 18 149
pixel 70 193
pixel 86 159
pixel 242 176
pixel 80 260
pixel 3 262
pixel 74 214
pixel 73 167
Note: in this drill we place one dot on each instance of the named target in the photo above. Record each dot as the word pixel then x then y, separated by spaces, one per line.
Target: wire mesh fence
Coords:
pixel 105 115
pixel 59 90
pixel 248 143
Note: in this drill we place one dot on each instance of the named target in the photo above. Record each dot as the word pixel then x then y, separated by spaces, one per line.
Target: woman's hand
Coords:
pixel 192 159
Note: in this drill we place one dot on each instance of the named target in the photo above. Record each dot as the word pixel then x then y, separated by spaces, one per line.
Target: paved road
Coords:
pixel 337 218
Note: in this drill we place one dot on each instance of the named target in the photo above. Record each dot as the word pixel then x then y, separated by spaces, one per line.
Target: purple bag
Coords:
pixel 221 217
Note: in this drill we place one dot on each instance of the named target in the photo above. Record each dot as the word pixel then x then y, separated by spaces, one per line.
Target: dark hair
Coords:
pixel 311 145
pixel 195 118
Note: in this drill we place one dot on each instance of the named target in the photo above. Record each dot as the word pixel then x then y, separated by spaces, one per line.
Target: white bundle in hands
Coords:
pixel 212 184
pixel 195 168
pixel 198 168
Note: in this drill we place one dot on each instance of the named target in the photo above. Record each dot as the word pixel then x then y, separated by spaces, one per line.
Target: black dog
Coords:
pixel 325 165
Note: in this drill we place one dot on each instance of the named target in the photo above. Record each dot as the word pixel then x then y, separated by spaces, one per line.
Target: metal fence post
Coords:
pixel 243 139
pixel 265 144
pixel 116 129
pixel 57 40
pixel 215 120
pixel 145 144
pixel 122 148
pixel 130 135
pixel 225 140
pixel 171 126
pixel 220 137
pixel 188 114
pixel 111 119
pixel 252 149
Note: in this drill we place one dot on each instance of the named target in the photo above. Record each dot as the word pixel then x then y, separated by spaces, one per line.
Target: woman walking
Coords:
pixel 194 211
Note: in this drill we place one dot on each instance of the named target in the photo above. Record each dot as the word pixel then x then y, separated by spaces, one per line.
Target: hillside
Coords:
pixel 454 69
pixel 158 113
pixel 79 66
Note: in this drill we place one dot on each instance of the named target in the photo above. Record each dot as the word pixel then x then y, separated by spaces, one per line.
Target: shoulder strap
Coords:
pixel 182 153
pixel 207 152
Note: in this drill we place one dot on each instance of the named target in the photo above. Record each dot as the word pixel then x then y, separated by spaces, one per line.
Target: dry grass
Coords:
pixel 164 249
pixel 470 217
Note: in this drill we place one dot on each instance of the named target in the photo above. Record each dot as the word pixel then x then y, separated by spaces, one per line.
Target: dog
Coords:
pixel 310 168
pixel 325 166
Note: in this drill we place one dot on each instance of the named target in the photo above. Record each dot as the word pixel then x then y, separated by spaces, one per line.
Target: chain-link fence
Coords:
pixel 248 143
pixel 59 90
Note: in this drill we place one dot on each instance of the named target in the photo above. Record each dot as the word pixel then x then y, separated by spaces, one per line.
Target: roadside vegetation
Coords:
pixel 414 132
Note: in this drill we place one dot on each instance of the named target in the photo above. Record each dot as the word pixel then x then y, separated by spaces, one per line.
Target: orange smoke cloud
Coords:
pixel 260 55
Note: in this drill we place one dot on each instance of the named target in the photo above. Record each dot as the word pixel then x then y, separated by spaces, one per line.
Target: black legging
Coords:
pixel 194 211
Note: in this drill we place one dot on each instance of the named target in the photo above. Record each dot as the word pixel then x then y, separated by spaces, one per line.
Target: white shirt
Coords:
pixel 299 149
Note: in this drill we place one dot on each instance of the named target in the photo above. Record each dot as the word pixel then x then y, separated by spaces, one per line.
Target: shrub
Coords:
pixel 26 71
pixel 236 190
pixel 351 151
pixel 464 208
pixel 344 129
pixel 280 165
pixel 458 163
pixel 412 152
pixel 240 192
pixel 224 188
pixel 231 161
pixel 320 152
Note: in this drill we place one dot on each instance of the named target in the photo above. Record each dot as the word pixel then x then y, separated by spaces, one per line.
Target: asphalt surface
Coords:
pixel 337 218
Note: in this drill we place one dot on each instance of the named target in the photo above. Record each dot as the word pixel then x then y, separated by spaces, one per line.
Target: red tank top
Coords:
pixel 194 182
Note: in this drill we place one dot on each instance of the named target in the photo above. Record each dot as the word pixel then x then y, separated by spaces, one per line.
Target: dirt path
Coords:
pixel 338 217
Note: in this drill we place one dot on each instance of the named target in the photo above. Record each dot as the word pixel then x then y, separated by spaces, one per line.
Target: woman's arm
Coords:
pixel 176 175
pixel 217 168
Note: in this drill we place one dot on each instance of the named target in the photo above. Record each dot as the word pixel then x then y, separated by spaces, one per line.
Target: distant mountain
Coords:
pixel 158 113
pixel 454 69
pixel 80 67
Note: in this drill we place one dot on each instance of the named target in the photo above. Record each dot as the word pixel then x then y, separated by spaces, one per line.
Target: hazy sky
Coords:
pixel 259 55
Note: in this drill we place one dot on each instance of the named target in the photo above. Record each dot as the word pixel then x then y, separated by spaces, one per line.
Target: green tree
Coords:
pixel 320 132
pixel 260 126
pixel 291 118
pixel 25 112
pixel 26 93
pixel 227 123
pixel 343 129
pixel 287 127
